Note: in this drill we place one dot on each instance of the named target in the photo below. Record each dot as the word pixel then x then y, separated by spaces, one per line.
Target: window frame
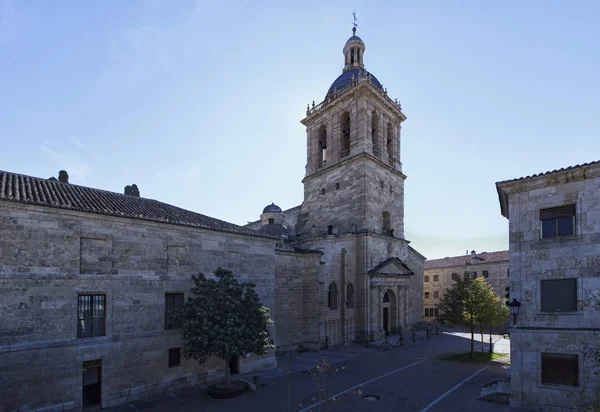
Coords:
pixel 349 295
pixel 559 311
pixel 436 278
pixel 427 295
pixel 332 296
pixel 167 311
pixel 178 349
pixel 560 385
pixel 556 213
pixel 436 294
pixel 80 331
pixel 426 278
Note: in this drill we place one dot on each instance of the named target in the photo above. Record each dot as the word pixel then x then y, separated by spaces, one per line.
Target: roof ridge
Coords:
pixel 562 169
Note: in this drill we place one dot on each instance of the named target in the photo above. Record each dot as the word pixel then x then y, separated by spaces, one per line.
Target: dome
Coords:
pixel 346 78
pixel 354 38
pixel 272 208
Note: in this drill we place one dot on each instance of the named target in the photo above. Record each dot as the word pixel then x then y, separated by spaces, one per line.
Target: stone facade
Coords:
pixel 50 256
pixel 439 273
pixel 554 322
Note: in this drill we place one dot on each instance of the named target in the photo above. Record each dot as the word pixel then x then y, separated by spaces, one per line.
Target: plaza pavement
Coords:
pixel 407 378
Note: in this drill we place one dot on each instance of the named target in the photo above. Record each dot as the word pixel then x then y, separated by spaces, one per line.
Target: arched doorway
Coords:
pixel 389 308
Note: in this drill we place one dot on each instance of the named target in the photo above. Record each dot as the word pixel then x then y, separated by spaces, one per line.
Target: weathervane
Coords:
pixel 354 22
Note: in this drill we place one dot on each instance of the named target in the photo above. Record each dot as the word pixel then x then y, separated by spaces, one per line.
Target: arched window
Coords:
pixel 374 127
pixel 322 136
pixel 390 141
pixel 386 297
pixel 345 128
pixel 349 295
pixel 332 297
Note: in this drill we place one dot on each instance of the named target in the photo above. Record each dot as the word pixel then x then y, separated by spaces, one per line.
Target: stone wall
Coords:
pixel 533 259
pixel 296 300
pixel 48 256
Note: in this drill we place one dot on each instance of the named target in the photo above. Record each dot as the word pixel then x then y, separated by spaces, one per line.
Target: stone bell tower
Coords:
pixel 354 181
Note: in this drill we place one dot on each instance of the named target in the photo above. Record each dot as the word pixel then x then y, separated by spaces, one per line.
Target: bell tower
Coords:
pixel 354 181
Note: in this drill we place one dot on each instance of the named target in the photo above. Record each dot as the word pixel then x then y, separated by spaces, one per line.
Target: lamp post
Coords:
pixel 514 309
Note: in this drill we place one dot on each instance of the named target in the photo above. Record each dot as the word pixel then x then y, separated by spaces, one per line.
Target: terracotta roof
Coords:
pixel 550 172
pixel 476 259
pixel 43 192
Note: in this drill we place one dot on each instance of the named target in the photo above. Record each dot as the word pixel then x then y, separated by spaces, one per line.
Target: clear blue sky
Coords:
pixel 199 103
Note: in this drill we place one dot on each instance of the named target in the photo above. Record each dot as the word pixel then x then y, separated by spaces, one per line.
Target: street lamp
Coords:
pixel 514 309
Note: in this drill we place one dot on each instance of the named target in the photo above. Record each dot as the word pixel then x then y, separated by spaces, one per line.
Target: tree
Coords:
pixel 468 303
pixel 224 317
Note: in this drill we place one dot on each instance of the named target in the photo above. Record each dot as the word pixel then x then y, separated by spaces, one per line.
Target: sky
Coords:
pixel 199 102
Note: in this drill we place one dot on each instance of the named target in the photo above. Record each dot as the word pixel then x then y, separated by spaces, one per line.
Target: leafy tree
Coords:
pixel 224 317
pixel 469 302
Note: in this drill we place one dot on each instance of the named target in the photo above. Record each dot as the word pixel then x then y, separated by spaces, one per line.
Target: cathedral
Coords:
pixel 88 277
pixel 370 280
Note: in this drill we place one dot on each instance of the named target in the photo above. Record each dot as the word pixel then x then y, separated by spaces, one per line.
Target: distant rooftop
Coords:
pixel 470 259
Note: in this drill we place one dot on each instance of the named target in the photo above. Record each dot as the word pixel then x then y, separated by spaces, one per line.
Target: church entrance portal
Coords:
pixel 389 306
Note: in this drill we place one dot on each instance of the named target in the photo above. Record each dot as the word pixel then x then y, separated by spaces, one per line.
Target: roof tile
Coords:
pixel 476 259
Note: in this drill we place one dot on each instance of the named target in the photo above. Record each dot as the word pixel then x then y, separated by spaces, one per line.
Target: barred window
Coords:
pixel 173 302
pixel 91 316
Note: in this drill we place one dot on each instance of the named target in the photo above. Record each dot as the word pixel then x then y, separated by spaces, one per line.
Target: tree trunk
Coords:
pixel 481 333
pixel 491 351
pixel 472 338
pixel 228 373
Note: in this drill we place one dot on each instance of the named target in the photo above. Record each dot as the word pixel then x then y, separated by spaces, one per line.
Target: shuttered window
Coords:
pixel 560 369
pixel 91 316
pixel 558 221
pixel 559 295
pixel 173 302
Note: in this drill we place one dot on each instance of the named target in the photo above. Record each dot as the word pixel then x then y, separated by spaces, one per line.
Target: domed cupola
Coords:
pixel 272 215
pixel 353 52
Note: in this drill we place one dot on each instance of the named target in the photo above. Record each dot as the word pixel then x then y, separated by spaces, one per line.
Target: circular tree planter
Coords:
pixel 222 391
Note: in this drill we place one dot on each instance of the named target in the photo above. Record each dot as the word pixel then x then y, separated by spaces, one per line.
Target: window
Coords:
pixel 473 275
pixel 426 295
pixel 91 316
pixel 173 302
pixel 455 276
pixel 381 183
pixel 436 294
pixel 426 312
pixel 271 221
pixel 436 278
pixel 386 297
pixel 330 229
pixel 486 274
pixel 332 297
pixel 323 191
pixel 426 278
pixel 349 295
pixel 559 295
pixel 437 312
pixel 507 273
pixel 337 186
pixel 174 357
pixel 558 221
pixel 560 369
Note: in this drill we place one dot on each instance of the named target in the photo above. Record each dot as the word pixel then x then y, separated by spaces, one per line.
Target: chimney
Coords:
pixel 132 190
pixel 63 177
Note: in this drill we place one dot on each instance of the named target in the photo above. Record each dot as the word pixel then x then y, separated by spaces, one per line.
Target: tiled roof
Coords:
pixel 476 259
pixel 43 192
pixel 550 172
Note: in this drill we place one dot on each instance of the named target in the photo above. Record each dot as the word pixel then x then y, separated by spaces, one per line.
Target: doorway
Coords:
pixel 234 365
pixel 92 383
pixel 386 319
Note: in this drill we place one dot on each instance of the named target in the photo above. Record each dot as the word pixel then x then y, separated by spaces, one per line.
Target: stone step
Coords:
pixel 496 391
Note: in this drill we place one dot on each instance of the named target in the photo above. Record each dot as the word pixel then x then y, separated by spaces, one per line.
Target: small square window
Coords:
pixel 486 274
pixel 436 294
pixel 426 295
pixel 559 295
pixel 174 357
pixel 436 278
pixel 558 221
pixel 323 191
pixel 560 369
pixel 426 278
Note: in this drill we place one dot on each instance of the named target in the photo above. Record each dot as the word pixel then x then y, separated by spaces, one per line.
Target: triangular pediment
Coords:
pixel 391 267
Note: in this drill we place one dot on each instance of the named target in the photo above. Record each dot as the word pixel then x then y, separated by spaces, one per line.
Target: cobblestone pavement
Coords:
pixel 408 378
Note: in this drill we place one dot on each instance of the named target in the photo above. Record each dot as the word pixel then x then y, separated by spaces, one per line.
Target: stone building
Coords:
pixel 440 274
pixel 554 223
pixel 88 277
pixel 371 280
